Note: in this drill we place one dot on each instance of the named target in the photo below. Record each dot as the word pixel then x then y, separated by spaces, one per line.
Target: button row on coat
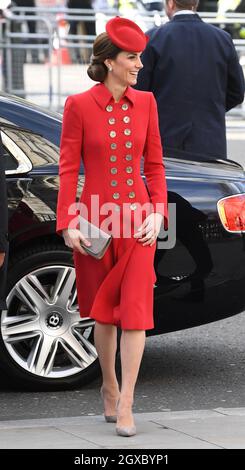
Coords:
pixel 132 206
pixel 131 195
pixel 129 182
pixel 129 169
pixel 128 145
pixel 113 133
pixel 128 157
pixel 112 120
pixel 109 108
pixel 113 158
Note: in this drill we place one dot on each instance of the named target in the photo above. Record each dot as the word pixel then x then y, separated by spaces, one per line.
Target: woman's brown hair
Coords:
pixel 103 49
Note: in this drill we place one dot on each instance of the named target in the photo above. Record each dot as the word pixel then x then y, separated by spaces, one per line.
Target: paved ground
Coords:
pixel 221 428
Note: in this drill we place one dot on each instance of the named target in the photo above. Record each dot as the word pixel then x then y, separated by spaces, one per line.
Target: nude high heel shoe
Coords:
pixel 125 431
pixel 108 418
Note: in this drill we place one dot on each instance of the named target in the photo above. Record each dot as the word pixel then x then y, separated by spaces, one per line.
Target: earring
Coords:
pixel 110 68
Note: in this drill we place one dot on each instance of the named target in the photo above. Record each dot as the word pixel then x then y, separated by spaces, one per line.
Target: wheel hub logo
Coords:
pixel 54 320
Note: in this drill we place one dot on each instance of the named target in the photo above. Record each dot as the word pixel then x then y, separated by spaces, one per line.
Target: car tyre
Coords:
pixel 36 277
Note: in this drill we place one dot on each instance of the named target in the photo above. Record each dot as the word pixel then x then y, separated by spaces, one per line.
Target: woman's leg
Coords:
pixel 131 350
pixel 105 337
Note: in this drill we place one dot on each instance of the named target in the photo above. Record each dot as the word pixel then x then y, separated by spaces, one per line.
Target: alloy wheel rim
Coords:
pixel 42 329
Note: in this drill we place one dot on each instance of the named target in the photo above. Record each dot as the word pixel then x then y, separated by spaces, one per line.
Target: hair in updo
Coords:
pixel 103 49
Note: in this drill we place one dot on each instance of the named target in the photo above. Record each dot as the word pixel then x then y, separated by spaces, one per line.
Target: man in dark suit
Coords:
pixel 193 70
pixel 3 230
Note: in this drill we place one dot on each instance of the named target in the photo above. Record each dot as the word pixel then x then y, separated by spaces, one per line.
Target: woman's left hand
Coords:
pixel 149 229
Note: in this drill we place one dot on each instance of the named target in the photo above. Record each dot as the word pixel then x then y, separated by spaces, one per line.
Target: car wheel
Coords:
pixel 45 344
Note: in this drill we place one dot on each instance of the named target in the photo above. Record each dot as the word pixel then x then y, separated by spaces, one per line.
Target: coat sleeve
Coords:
pixel 154 168
pixel 235 81
pixel 69 164
pixel 3 206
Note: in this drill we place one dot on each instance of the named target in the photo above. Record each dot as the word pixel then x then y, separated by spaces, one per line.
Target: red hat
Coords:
pixel 126 34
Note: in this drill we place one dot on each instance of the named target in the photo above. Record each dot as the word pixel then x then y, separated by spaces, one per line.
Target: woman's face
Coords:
pixel 125 67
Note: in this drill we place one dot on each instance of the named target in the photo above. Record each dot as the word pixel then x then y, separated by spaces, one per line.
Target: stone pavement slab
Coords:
pixel 219 428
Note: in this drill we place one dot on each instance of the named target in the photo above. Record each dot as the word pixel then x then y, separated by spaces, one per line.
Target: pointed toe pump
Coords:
pixel 108 418
pixel 126 431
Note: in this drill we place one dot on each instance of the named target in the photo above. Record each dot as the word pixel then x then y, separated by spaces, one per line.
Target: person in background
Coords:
pixel 193 70
pixel 101 5
pixel 13 58
pixel 75 25
pixel 82 5
pixel 31 25
pixel 28 4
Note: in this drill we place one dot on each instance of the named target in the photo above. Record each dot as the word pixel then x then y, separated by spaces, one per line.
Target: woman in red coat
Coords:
pixel 110 127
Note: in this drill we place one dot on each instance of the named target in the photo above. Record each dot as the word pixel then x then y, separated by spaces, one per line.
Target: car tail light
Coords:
pixel 232 212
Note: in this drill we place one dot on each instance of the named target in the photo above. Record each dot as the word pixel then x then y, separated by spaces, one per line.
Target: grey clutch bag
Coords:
pixel 99 239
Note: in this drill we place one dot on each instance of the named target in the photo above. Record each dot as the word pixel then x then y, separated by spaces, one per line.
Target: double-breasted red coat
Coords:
pixel 111 138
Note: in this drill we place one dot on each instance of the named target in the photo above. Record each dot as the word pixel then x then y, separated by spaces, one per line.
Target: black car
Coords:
pixel 44 343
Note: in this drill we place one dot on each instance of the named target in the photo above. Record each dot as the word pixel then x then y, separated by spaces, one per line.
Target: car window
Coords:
pixel 10 163
pixel 24 150
pixel 38 149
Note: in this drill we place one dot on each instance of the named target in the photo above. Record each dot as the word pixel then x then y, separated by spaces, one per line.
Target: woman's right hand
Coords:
pixel 73 239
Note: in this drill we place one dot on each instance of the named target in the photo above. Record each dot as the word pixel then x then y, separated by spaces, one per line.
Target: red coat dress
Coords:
pixel 111 139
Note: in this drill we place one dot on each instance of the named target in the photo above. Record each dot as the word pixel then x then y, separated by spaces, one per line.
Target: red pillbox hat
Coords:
pixel 126 34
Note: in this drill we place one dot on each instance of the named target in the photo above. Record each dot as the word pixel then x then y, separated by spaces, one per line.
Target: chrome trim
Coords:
pixel 24 164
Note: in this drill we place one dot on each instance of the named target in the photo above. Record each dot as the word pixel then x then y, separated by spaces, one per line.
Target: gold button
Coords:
pixel 133 207
pixel 113 171
pixel 112 121
pixel 128 144
pixel 129 169
pixel 115 195
pixel 109 108
pixel 127 131
pixel 131 194
pixel 126 119
pixel 113 158
pixel 130 182
pixel 113 182
pixel 124 107
pixel 113 134
pixel 113 146
pixel 128 157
